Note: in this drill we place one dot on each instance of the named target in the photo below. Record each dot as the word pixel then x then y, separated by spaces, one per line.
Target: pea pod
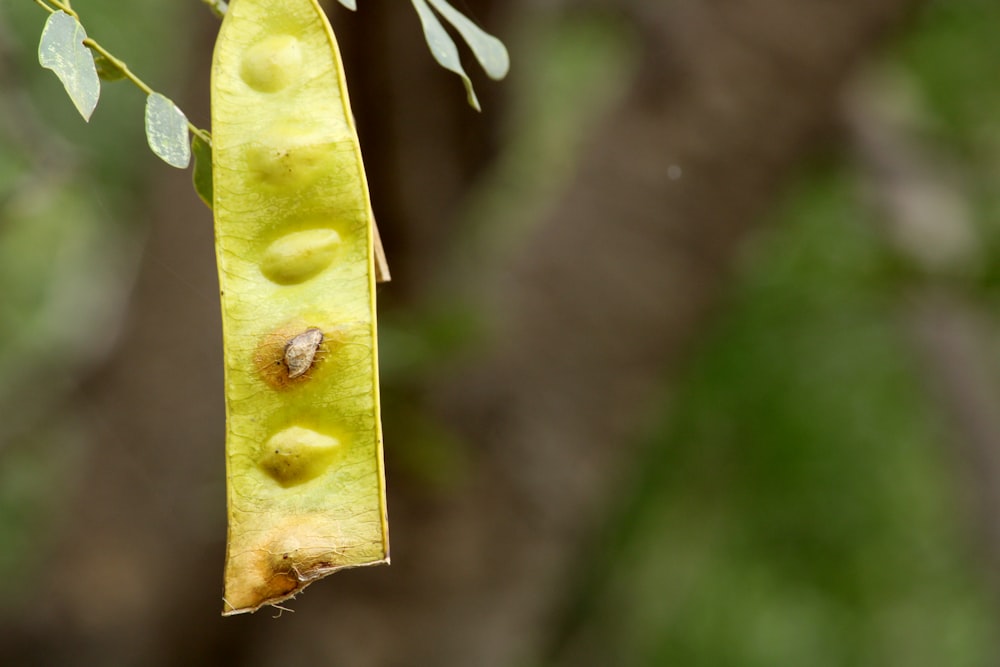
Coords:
pixel 294 241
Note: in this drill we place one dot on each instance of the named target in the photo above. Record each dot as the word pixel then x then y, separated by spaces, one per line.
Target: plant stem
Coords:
pixel 64 5
pixel 93 45
pixel 41 3
pixel 139 83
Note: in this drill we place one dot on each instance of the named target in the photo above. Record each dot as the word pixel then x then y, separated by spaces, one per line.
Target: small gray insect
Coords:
pixel 300 352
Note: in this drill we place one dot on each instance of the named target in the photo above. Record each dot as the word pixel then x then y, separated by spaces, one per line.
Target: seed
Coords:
pixel 301 352
pixel 291 155
pixel 297 454
pixel 299 256
pixel 272 63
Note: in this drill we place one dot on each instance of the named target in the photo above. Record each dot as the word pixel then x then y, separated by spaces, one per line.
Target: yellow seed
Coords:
pixel 297 257
pixel 272 63
pixel 297 455
pixel 290 155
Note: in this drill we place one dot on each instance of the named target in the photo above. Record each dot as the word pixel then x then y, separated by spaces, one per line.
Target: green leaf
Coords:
pixel 167 131
pixel 489 51
pixel 107 69
pixel 218 7
pixel 61 50
pixel 203 169
pixel 350 4
pixel 443 48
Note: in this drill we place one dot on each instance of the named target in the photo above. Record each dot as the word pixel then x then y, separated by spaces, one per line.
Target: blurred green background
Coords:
pixel 805 492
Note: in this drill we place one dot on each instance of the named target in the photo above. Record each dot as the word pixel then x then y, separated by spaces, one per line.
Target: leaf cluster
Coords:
pixel 81 64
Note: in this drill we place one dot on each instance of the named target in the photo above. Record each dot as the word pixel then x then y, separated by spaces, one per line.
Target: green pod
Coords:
pixel 295 247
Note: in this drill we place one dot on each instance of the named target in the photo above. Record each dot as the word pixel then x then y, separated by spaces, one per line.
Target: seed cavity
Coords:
pixel 297 455
pixel 292 155
pixel 301 352
pixel 299 256
pixel 272 63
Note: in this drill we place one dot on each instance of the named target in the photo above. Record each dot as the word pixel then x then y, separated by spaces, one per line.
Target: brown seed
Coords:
pixel 301 352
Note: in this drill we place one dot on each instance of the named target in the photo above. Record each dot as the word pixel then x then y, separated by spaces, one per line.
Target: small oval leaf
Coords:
pixel 202 169
pixel 443 48
pixel 167 131
pixel 489 51
pixel 218 7
pixel 107 69
pixel 61 50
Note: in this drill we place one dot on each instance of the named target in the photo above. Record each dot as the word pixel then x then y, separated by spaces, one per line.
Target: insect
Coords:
pixel 301 352
pixel 295 244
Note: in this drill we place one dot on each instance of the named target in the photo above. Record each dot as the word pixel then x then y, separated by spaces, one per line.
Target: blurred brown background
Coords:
pixel 689 358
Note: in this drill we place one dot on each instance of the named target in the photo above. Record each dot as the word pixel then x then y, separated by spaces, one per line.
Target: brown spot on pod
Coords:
pixel 290 354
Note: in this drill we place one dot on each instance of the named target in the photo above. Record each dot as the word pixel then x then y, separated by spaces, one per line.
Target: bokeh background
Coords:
pixel 690 357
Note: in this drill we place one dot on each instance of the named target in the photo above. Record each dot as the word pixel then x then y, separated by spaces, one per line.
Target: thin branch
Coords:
pixel 41 3
pixel 64 5
pixel 139 83
pixel 119 64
